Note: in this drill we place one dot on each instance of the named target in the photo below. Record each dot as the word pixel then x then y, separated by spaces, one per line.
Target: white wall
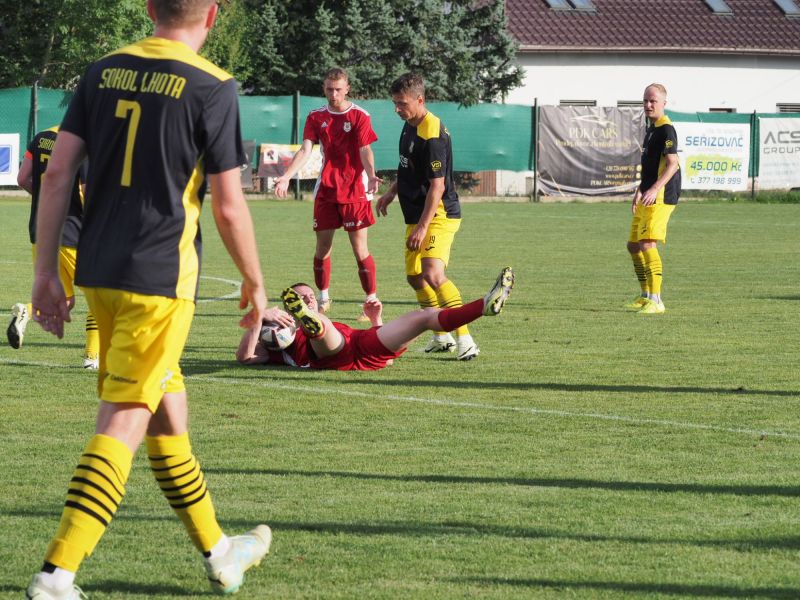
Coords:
pixel 694 82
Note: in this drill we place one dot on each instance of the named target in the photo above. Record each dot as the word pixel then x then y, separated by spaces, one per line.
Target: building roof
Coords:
pixel 651 26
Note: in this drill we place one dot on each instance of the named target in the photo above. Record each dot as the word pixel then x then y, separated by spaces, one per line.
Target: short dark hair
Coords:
pixel 409 83
pixel 335 74
pixel 294 285
pixel 175 13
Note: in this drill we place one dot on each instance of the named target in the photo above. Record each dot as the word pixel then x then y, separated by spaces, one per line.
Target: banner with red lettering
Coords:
pixel 585 150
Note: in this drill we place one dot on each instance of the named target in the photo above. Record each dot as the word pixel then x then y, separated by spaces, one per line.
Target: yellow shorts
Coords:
pixel 141 342
pixel 437 244
pixel 650 222
pixel 66 268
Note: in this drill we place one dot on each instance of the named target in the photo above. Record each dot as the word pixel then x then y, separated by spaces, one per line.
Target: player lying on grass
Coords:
pixel 324 344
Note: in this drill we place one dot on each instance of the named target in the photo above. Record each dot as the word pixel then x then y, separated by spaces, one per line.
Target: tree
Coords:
pixel 52 41
pixel 461 47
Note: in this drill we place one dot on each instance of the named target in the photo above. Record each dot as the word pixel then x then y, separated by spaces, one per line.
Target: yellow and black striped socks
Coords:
pixel 653 270
pixel 182 482
pixel 639 269
pixel 94 494
pixel 427 299
pixel 92 348
pixel 449 297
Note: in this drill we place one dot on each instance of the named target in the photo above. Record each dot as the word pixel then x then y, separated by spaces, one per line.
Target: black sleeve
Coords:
pixel 670 140
pixel 436 158
pixel 224 150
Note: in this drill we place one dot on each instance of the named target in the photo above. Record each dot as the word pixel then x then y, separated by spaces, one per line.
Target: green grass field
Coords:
pixel 587 453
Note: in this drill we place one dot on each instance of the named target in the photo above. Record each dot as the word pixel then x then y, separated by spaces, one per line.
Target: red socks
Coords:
pixel 453 318
pixel 322 272
pixel 366 273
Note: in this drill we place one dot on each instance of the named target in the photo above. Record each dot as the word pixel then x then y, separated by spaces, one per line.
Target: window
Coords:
pixel 788 107
pixel 558 4
pixel 719 7
pixel 721 110
pixel 578 102
pixel 629 104
pixel 583 5
pixel 789 7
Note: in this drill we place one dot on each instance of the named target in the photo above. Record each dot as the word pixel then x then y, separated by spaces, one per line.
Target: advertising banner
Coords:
pixel 714 156
pixel 9 158
pixel 779 154
pixel 589 150
pixel 275 159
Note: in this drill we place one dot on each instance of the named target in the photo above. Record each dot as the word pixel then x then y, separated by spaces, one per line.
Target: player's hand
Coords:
pixel 255 296
pixel 414 241
pixel 383 203
pixel 281 186
pixel 374 311
pixel 636 197
pixel 50 307
pixel 279 316
pixel 373 183
pixel 649 197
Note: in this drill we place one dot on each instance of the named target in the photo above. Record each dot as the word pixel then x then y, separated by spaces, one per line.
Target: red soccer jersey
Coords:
pixel 340 136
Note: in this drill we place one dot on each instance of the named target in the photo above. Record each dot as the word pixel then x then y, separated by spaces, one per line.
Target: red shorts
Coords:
pixel 333 215
pixel 362 351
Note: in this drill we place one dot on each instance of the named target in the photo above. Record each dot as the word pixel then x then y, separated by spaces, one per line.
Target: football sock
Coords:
pixel 322 273
pixel 366 273
pixel 94 494
pixel 638 267
pixel 653 270
pixel 92 348
pixel 323 295
pixel 427 299
pixel 371 297
pixel 449 297
pixel 452 318
pixel 181 481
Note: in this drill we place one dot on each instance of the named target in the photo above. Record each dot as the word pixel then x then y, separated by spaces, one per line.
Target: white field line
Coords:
pixel 458 404
pixel 234 294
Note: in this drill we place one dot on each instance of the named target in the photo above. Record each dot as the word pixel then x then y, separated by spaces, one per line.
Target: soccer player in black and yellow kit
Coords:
pixel 430 206
pixel 30 177
pixel 157 122
pixel 654 201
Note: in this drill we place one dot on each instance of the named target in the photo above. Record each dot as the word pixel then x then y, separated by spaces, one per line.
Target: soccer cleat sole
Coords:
pixel 16 329
pixel 497 296
pixel 294 304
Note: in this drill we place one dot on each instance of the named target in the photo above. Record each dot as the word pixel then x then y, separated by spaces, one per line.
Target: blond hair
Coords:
pixel 659 87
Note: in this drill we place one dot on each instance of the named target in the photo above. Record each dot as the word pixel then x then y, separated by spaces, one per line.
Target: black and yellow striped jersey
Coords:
pixel 155 117
pixel 660 139
pixel 38 152
pixel 426 152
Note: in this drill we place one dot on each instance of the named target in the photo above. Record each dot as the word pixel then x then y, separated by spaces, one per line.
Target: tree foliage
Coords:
pixel 462 48
pixel 275 47
pixel 52 41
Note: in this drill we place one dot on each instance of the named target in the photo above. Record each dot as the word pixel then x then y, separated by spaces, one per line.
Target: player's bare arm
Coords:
pixel 299 159
pixel 250 351
pixel 649 196
pixel 235 226
pixel 50 307
pixel 25 175
pixel 368 160
pixel 432 200
pixel 386 199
